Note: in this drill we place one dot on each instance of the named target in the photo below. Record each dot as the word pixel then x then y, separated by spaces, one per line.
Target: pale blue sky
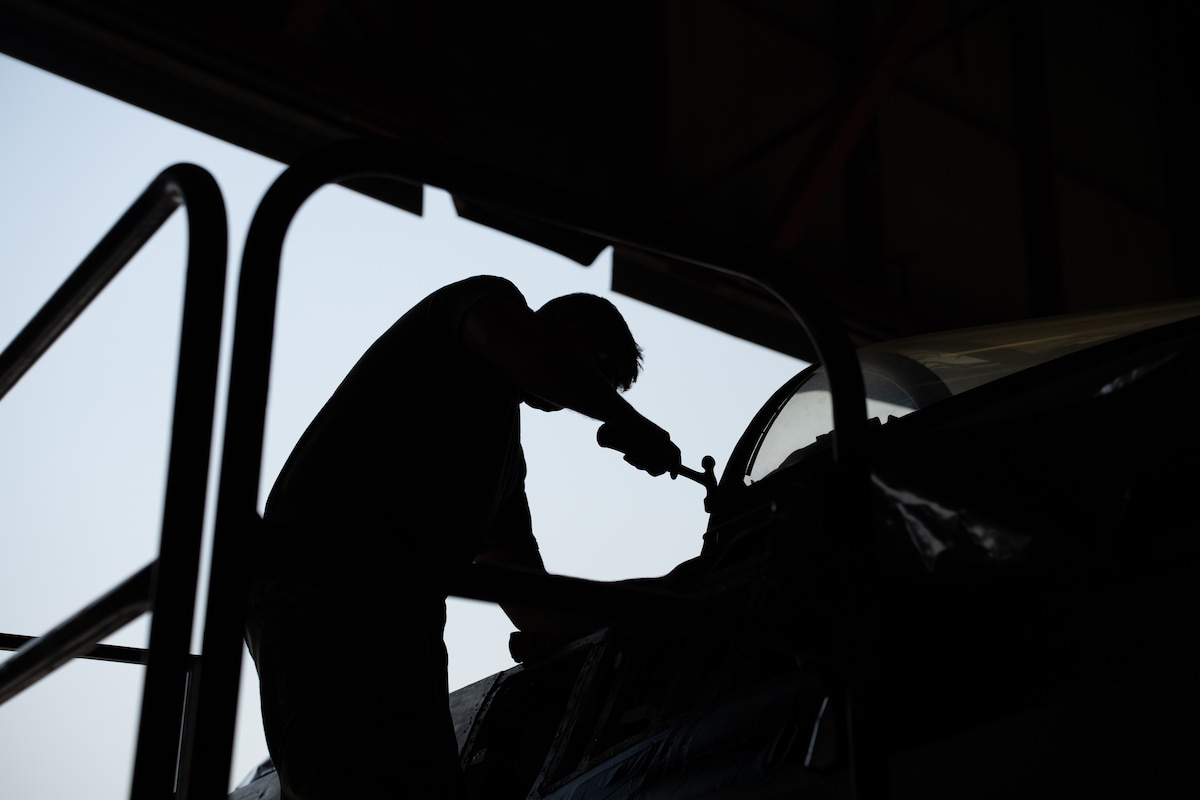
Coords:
pixel 83 437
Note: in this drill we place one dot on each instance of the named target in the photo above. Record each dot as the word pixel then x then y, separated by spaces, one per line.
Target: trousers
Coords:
pixel 353 689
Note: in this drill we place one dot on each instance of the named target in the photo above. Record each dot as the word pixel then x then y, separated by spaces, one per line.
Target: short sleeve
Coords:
pixel 512 529
pixel 451 304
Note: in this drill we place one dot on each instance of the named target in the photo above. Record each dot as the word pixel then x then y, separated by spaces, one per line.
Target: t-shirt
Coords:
pixel 414 461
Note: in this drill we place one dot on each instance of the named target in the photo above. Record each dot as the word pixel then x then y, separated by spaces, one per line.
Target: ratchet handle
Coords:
pixel 607 436
pixel 705 476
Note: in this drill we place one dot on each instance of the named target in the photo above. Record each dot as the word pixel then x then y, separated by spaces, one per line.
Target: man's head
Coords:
pixel 597 328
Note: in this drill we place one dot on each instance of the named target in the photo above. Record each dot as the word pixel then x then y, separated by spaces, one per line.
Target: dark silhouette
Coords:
pixel 412 468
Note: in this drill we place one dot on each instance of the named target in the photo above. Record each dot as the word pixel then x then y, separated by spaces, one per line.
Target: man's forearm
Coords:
pixel 524 617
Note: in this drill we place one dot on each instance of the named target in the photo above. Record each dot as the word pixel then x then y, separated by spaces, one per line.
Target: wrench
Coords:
pixel 706 478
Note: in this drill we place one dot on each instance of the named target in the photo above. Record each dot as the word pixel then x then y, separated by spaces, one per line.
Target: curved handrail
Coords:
pixel 176 571
pixel 135 227
pixel 205 770
pixel 168 586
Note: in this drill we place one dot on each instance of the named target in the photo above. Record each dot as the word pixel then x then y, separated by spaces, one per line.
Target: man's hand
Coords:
pixel 645 445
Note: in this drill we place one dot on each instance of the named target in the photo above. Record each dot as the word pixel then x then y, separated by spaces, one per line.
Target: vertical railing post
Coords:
pixel 173 591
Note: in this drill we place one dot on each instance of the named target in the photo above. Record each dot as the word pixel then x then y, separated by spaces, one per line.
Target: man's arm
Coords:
pixel 507 334
pixel 532 619
pixel 511 544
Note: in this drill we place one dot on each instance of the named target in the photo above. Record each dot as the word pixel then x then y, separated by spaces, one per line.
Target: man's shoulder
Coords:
pixel 431 328
pixel 451 303
pixel 481 286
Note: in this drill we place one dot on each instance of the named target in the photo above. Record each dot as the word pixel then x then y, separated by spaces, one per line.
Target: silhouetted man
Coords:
pixel 413 468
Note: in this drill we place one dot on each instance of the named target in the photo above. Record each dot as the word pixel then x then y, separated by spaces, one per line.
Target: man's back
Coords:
pixel 416 448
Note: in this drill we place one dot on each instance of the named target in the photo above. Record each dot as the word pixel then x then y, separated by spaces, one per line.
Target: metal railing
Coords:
pixel 167 586
pixel 37 657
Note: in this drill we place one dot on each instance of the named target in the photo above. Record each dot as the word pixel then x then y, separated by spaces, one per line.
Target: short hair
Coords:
pixel 621 356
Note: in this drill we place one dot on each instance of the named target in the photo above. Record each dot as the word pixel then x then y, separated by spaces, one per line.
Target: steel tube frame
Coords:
pixel 123 240
pixel 173 594
pixel 167 587
pixel 40 656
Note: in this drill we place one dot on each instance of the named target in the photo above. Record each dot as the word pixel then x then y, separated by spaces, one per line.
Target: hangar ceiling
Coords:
pixel 926 164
